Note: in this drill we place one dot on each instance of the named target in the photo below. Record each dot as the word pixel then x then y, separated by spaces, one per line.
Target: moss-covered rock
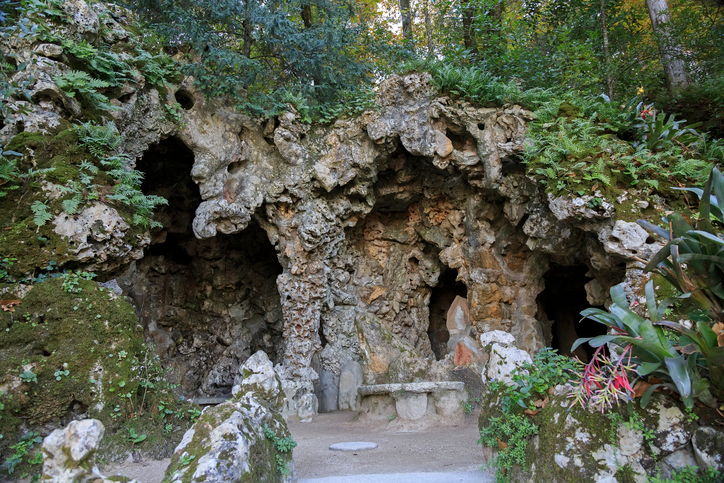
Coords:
pixel 244 440
pixel 72 349
pixel 624 444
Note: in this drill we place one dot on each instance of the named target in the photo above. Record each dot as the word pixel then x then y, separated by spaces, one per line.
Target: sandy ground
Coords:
pixel 402 448
pixel 432 446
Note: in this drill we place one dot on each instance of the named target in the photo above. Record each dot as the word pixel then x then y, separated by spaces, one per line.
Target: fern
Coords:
pixel 71 205
pixel 101 140
pixel 40 212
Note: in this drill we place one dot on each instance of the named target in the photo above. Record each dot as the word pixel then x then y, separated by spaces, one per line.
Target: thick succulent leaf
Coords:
pixel 689 257
pixel 601 340
pixel 579 342
pixel 659 257
pixel 679 225
pixel 662 232
pixel 602 317
pixel 717 180
pixel 679 372
pixel 646 368
pixel 646 396
pixel 618 295
pixel 630 321
pixel 708 336
pixel 691 334
pixel 651 301
pixel 709 236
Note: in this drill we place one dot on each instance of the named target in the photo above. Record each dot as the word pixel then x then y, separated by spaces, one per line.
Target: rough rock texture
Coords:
pixel 626 443
pixel 286 237
pixel 229 442
pixel 69 454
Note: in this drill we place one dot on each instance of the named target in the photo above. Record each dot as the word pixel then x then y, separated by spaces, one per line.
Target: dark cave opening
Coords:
pixel 562 301
pixel 441 298
pixel 167 172
pixel 207 304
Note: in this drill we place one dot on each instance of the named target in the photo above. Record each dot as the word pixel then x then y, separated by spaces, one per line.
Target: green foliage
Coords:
pixel 60 373
pixel 477 85
pixel 135 438
pixel 512 431
pixel 87 88
pixel 28 376
pixel 282 445
pixel 690 474
pixel 71 280
pixel 655 131
pixel 594 143
pixel 41 215
pixel 9 172
pixel 21 449
pixel 257 52
pixel 692 263
pixel 106 67
pixel 548 369
pixel 103 142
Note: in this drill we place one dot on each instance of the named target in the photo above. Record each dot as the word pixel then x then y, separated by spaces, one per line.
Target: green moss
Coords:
pixel 625 475
pixel 95 337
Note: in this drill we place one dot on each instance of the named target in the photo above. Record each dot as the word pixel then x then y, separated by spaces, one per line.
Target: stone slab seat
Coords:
pixel 414 400
pixel 413 387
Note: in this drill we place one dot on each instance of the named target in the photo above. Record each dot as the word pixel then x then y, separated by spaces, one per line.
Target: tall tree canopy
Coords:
pixel 264 51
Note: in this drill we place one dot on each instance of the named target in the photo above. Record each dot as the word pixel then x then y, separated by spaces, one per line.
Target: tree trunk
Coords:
pixel 406 20
pixel 468 19
pixel 428 29
pixel 307 15
pixel 606 51
pixel 669 50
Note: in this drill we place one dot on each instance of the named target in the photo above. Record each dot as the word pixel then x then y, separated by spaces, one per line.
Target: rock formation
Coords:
pixel 287 237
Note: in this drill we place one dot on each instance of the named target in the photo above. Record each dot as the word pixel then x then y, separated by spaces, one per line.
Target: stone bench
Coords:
pixel 414 400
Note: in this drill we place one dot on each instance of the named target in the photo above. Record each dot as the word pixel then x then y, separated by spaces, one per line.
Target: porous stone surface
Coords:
pixel 350 379
pixel 503 361
pixel 708 446
pixel 334 243
pixel 231 442
pixel 626 443
pixel 69 454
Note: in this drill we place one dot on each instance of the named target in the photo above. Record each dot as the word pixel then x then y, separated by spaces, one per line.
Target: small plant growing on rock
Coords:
pixel 282 445
pixel 509 433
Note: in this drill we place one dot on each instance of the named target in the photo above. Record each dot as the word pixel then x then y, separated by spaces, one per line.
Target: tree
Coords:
pixel 263 52
pixel 669 49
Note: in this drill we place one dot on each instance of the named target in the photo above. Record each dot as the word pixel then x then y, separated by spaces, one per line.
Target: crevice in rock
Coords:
pixel 184 98
pixel 441 298
pixel 562 300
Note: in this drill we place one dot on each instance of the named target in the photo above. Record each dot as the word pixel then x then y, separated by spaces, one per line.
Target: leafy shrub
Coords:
pixel 510 434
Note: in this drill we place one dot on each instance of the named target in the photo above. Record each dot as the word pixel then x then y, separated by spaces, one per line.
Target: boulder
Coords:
pixel 503 361
pixel 708 446
pixel 69 454
pixel 239 441
pixel 350 379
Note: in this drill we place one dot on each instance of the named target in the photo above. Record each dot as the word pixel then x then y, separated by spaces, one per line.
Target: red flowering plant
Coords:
pixel 655 131
pixel 693 263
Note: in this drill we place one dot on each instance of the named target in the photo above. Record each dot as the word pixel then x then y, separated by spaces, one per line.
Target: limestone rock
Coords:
pixel 228 443
pixel 350 379
pixel 328 393
pixel 629 240
pixel 411 406
pixel 257 375
pixel 708 446
pixel 503 360
pixel 497 337
pixel 467 352
pixel 69 454
pixel 584 207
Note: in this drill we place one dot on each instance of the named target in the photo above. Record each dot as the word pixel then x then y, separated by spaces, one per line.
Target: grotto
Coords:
pixel 198 283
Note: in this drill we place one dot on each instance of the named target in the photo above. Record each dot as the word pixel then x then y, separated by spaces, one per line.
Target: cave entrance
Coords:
pixel 441 298
pixel 562 301
pixel 206 304
pixel 167 172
